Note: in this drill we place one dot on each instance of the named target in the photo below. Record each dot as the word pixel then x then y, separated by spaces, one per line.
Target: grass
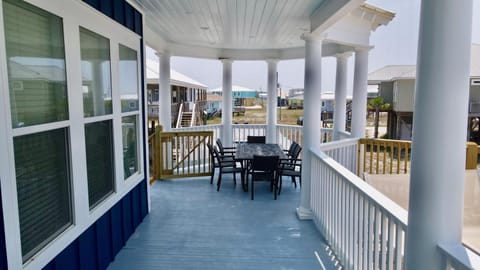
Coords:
pixel 259 116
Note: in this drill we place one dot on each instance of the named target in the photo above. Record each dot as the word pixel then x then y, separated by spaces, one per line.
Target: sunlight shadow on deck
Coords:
pixel 191 226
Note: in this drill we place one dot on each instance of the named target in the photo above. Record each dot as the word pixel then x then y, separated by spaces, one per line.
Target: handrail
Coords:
pixel 365 229
pixel 194 112
pixel 459 257
pixel 179 117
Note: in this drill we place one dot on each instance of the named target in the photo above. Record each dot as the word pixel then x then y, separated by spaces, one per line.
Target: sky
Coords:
pixel 394 44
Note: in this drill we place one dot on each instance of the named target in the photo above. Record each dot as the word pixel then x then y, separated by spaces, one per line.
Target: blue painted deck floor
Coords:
pixel 192 226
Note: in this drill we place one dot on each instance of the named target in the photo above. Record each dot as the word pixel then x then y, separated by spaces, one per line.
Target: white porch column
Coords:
pixel 272 101
pixel 438 151
pixel 164 91
pixel 340 109
pixel 359 99
pixel 227 99
pixel 311 119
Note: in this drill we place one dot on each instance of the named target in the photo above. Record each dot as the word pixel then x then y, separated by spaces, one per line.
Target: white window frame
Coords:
pixel 75 14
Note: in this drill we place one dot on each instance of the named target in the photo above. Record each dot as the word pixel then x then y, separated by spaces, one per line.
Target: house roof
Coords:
pixel 402 72
pixel 176 77
pixel 235 88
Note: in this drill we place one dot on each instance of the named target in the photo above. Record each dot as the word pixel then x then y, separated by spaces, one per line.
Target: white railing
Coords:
pixel 180 115
pixel 344 135
pixel 365 229
pixel 459 257
pixel 242 131
pixel 344 152
pixel 217 130
pixel 286 134
pixel 194 115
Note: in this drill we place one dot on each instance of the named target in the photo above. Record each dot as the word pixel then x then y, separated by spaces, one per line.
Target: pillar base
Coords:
pixel 304 214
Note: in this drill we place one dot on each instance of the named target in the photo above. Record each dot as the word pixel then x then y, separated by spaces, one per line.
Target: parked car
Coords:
pixel 300 120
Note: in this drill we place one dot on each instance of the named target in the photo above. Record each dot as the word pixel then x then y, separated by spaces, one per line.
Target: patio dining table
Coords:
pixel 246 151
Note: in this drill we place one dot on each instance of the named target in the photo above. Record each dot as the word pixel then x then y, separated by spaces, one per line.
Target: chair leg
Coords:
pixel 275 187
pixel 253 180
pixel 294 181
pixel 279 182
pixel 235 178
pixel 219 181
pixel 212 175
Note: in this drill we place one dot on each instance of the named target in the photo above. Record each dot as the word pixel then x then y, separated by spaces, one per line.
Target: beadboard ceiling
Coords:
pixel 230 24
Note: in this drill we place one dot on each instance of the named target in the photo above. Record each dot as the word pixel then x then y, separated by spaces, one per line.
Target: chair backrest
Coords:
pixel 256 139
pixel 211 151
pixel 264 163
pixel 292 149
pixel 297 151
pixel 220 145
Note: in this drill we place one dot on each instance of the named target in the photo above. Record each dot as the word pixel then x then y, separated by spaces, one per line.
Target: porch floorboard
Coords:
pixel 192 226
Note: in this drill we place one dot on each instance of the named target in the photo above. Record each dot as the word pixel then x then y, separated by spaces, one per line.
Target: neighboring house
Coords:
pixel 214 103
pixel 242 96
pixel 188 95
pixel 396 85
pixel 328 103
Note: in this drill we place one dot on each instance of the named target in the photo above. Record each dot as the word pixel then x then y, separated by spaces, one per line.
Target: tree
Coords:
pixel 378 104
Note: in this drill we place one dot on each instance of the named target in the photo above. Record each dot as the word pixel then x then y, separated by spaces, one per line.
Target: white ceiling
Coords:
pixel 257 29
pixel 230 24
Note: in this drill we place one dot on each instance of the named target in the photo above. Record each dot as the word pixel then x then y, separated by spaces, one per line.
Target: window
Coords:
pixel 99 147
pixel 130 145
pixel 130 109
pixel 38 95
pixel 128 79
pixel 96 81
pixel 36 65
pixel 43 187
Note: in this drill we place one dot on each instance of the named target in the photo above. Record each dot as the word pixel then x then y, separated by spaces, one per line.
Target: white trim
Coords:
pixel 7 167
pixel 117 118
pixel 37 128
pixel 94 119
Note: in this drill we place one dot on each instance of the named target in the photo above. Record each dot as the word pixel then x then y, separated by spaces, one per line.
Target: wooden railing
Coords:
pixel 379 156
pixel 180 154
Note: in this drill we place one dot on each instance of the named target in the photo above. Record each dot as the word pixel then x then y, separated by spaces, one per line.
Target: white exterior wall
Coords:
pixel 403 95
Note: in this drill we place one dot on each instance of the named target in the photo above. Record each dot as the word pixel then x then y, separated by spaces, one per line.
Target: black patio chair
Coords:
pixel 290 167
pixel 256 139
pixel 225 166
pixel 263 168
pixel 230 151
pixel 290 152
pixel 226 161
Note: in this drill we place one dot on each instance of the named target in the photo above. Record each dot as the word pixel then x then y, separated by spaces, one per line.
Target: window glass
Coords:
pixel 43 188
pixel 128 79
pixel 96 76
pixel 130 145
pixel 36 64
pixel 100 168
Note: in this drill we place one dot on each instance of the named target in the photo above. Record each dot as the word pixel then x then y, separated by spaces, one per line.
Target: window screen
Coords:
pixel 100 169
pixel 43 188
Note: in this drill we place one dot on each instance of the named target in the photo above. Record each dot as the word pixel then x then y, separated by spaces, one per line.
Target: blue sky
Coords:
pixel 393 45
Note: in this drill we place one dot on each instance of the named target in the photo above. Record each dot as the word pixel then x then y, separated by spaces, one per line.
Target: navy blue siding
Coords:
pixel 68 258
pixel 3 250
pixel 88 249
pixel 120 11
pixel 117 231
pixel 99 244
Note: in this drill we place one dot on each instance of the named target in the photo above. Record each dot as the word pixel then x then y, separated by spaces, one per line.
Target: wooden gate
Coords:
pixel 180 154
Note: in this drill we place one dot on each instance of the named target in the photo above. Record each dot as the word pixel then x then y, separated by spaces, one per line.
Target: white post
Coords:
pixel 440 128
pixel 340 109
pixel 164 92
pixel 359 100
pixel 311 119
pixel 272 101
pixel 227 99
